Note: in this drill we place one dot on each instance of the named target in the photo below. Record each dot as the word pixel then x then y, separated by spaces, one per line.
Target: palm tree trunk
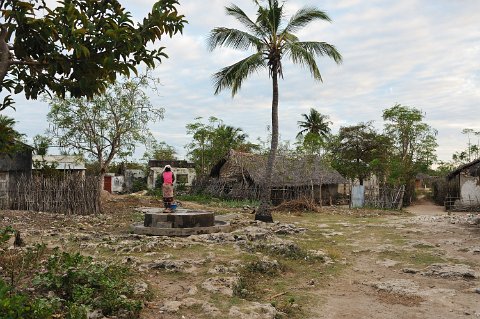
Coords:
pixel 263 213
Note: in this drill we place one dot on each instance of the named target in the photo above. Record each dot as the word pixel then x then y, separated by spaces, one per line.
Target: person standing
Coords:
pixel 167 180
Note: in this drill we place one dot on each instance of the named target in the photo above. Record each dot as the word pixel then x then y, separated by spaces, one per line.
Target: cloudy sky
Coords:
pixel 419 53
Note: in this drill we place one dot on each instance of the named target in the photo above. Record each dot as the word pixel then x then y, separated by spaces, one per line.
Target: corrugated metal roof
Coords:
pixel 63 162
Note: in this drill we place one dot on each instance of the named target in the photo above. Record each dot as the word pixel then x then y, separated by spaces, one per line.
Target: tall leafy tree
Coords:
pixel 272 39
pixel 414 144
pixel 107 126
pixel 159 151
pixel 358 150
pixel 79 46
pixel 212 141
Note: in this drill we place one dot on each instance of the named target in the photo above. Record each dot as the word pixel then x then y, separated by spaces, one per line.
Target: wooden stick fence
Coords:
pixel 69 194
pixel 384 197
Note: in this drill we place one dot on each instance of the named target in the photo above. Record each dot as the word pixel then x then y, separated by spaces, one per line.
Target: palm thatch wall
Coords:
pixel 241 175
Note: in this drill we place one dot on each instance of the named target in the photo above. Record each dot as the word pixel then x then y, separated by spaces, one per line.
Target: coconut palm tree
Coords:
pixel 314 123
pixel 271 38
pixel 8 135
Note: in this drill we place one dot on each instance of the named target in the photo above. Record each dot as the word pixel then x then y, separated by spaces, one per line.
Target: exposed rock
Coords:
pixel 171 306
pixel 222 285
pixel 387 263
pixel 253 233
pixel 192 291
pixel 455 271
pixel 170 265
pixel 288 229
pixel 207 308
pixel 140 288
pixel 96 314
pixel 410 270
pixel 254 310
pixel 398 286
pixel 222 269
pixel 284 248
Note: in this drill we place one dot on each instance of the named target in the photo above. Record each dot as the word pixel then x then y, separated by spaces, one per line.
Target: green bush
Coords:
pixel 87 284
pixel 139 184
pixel 15 305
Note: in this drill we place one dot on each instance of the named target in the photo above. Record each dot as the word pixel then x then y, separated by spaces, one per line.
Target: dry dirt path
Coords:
pixel 421 268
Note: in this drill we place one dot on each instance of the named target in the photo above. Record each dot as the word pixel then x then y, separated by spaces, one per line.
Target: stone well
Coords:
pixel 183 222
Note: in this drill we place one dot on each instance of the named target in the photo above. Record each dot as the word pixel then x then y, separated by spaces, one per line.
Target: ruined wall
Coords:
pixel 470 190
pixel 20 162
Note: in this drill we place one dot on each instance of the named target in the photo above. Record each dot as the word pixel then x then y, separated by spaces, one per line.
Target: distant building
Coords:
pixel 13 166
pixel 464 186
pixel 64 163
pixel 184 171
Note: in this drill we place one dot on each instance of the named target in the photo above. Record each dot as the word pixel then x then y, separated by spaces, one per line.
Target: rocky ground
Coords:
pixel 336 263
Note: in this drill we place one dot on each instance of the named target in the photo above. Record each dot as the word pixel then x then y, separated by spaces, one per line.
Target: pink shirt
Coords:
pixel 168 177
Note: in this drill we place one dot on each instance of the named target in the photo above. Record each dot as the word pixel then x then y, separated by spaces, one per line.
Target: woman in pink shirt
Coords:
pixel 167 180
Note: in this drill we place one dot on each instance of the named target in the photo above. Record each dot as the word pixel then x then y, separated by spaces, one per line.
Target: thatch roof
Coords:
pixel 473 169
pixel 286 172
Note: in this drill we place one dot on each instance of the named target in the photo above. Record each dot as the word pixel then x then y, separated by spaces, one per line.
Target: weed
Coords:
pixel 16 305
pixel 86 284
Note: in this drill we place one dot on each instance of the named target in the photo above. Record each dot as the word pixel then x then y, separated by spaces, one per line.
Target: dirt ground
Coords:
pixel 422 263
pixel 416 295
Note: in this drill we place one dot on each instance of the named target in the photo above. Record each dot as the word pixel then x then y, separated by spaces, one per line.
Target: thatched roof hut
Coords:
pixel 286 171
pixel 291 178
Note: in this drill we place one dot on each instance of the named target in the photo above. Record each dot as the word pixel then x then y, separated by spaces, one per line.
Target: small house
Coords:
pixel 62 163
pixel 464 186
pixel 184 171
pixel 242 176
pixel 13 166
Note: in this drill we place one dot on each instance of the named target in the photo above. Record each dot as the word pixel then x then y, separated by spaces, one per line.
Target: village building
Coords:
pixel 240 175
pixel 464 187
pixel 13 166
pixel 62 163
pixel 184 172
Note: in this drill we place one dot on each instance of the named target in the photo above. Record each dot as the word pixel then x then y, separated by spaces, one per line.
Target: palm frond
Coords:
pixel 270 17
pixel 301 55
pixel 303 17
pixel 232 76
pixel 304 53
pixel 241 16
pixel 232 38
pixel 322 49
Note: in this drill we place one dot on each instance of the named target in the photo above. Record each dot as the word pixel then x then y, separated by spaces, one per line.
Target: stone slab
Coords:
pixel 157 231
pixel 180 219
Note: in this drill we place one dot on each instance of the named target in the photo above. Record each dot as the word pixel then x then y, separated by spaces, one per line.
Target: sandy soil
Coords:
pixel 406 295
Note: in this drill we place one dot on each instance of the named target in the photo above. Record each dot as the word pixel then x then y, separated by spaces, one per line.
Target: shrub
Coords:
pixel 87 284
pixel 16 305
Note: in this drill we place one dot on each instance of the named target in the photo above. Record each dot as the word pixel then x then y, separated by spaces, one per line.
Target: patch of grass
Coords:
pixel 217 202
pixel 254 273
pixel 418 258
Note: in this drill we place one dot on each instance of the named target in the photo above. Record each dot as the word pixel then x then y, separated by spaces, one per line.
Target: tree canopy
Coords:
pixel 414 144
pixel 79 47
pixel 212 141
pixel 107 126
pixel 358 149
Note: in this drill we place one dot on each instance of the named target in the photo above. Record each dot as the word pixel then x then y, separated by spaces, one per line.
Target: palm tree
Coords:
pixel 314 123
pixel 271 39
pixel 8 135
